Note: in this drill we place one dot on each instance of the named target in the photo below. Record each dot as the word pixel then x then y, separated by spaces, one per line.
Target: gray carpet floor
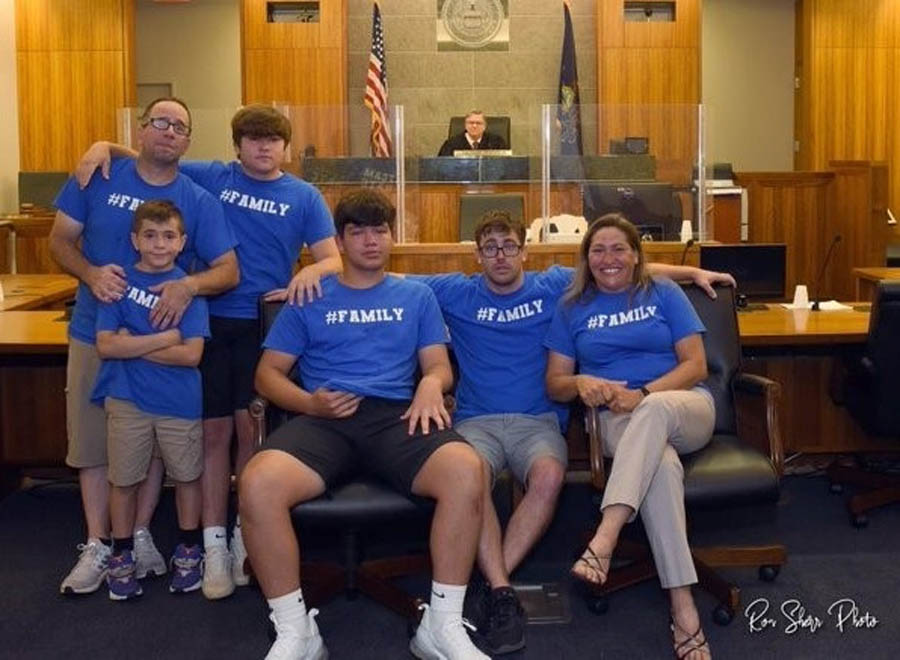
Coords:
pixel 828 561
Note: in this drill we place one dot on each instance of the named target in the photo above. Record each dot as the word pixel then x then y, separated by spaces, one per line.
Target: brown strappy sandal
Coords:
pixel 696 642
pixel 594 566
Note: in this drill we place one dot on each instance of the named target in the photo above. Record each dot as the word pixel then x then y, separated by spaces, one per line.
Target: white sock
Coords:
pixel 290 610
pixel 446 602
pixel 213 536
pixel 236 532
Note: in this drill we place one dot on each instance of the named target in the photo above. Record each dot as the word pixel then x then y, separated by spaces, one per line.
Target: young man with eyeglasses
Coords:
pixel 497 321
pixel 90 239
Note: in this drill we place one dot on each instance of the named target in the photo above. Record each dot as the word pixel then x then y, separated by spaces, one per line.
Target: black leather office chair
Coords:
pixel 741 465
pixel 871 392
pixel 351 509
pixel 496 125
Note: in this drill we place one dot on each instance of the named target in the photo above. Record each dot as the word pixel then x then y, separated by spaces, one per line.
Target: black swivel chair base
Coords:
pixel 323 580
pixel 883 489
pixel 638 566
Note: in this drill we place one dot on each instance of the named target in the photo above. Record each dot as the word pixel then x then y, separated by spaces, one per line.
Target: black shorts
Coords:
pixel 374 441
pixel 228 365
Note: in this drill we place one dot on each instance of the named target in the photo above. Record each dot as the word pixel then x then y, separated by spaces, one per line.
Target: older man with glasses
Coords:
pixel 474 137
pixel 90 239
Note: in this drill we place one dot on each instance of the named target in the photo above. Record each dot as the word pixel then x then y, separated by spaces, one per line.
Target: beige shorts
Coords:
pixel 133 434
pixel 85 421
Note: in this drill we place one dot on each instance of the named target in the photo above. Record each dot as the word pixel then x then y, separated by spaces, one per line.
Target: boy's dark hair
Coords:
pixel 259 121
pixel 145 115
pixel 157 211
pixel 365 207
pixel 499 220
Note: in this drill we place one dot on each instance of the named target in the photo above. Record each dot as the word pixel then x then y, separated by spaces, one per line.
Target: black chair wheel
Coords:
pixel 598 604
pixel 769 572
pixel 859 520
pixel 836 488
pixel 722 615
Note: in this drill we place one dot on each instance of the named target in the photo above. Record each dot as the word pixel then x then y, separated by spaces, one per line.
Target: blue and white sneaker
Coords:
pixel 187 569
pixel 121 577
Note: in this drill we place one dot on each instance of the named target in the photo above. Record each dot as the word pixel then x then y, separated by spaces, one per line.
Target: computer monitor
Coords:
pixel 758 267
pixel 652 207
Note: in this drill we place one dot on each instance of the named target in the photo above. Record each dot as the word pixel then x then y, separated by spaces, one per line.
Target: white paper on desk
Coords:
pixel 824 306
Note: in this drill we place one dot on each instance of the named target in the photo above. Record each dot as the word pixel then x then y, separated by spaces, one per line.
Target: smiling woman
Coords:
pixel 637 344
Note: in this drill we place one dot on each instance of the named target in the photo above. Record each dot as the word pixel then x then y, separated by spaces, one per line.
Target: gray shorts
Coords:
pixel 515 440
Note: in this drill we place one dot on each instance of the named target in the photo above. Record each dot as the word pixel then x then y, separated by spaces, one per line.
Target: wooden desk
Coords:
pixel 802 350
pixel 777 326
pixel 23 292
pixel 33 353
pixel 867 279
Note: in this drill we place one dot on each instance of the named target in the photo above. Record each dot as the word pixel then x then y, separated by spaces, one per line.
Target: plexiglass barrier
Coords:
pixel 561 165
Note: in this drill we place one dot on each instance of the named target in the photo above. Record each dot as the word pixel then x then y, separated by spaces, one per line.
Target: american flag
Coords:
pixel 377 92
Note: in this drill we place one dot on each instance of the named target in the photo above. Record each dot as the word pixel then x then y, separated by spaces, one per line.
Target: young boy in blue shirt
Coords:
pixel 150 387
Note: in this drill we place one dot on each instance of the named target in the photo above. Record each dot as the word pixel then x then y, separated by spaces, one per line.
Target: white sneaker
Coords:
pixel 289 645
pixel 238 557
pixel 450 642
pixel 147 558
pixel 217 582
pixel 90 570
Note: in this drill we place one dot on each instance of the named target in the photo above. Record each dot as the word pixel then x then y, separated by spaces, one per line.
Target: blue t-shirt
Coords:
pixel 158 389
pixel 272 221
pixel 498 341
pixel 364 341
pixel 632 343
pixel 106 208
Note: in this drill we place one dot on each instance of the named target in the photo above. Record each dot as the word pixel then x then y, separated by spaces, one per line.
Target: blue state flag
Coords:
pixel 568 113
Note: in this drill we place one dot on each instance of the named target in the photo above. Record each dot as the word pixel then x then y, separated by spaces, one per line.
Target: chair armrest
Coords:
pixel 595 445
pixel 756 408
pixel 257 410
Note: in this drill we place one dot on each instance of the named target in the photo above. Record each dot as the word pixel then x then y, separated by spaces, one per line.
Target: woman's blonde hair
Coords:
pixel 583 282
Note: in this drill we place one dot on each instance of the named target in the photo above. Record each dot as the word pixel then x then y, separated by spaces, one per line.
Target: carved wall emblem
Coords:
pixel 473 25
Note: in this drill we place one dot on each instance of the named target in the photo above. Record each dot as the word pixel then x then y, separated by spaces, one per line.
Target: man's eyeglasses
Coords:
pixel 163 123
pixel 491 250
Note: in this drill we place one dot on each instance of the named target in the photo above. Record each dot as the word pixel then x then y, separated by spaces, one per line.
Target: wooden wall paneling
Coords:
pixel 649 83
pixel 302 64
pixel 802 60
pixel 857 214
pixel 439 214
pixel 71 77
pixel 790 208
pixel 69 24
pixel 847 107
pixel 33 245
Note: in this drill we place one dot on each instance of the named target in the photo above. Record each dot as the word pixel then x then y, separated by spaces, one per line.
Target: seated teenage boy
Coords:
pixel 358 348
pixel 150 386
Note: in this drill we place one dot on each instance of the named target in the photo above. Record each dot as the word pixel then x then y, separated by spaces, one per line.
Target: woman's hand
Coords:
pixel 594 391
pixel 624 400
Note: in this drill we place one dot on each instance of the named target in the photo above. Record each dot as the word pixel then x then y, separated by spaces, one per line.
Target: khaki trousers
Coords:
pixel 647 475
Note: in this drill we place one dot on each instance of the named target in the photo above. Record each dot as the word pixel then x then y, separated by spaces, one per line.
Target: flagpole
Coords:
pixel 545 169
pixel 400 172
